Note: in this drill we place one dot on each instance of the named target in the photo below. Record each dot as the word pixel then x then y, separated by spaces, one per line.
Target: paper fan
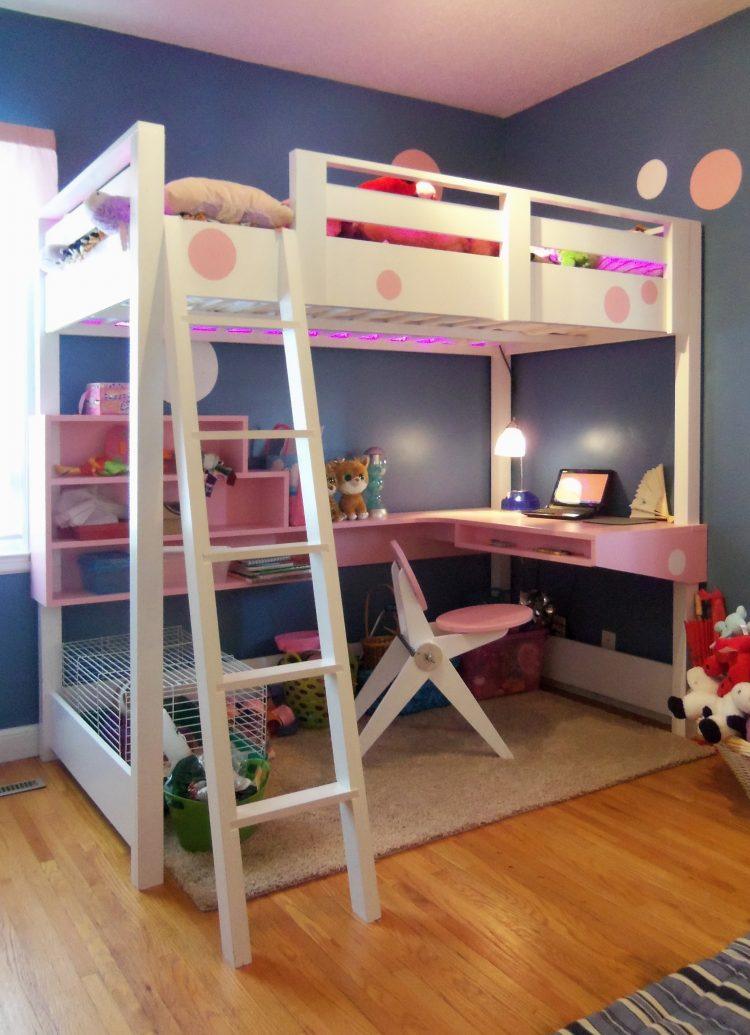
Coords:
pixel 650 500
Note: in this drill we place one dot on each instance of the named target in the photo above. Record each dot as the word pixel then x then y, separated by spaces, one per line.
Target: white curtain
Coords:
pixel 28 178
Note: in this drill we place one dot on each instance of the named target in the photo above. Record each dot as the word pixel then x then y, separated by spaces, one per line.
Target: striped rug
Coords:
pixel 705 998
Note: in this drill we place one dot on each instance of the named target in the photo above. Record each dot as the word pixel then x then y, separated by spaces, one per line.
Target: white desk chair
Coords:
pixel 419 653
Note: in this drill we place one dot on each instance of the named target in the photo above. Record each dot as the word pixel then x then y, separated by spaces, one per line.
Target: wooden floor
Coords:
pixel 515 928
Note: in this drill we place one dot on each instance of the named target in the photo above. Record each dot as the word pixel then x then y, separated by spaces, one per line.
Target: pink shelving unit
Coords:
pixel 256 505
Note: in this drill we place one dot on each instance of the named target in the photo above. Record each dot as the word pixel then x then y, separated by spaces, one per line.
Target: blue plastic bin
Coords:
pixel 107 571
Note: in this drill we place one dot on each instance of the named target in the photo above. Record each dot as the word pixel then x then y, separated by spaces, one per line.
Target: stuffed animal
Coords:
pixel 729 718
pixel 730 657
pixel 395 185
pixel 352 480
pixel 734 624
pixel 332 483
pixel 701 699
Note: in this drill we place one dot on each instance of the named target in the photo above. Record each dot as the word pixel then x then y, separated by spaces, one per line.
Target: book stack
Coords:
pixel 268 570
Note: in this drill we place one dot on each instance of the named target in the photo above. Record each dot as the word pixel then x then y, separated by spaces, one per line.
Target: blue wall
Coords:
pixel 238 121
pixel 677 104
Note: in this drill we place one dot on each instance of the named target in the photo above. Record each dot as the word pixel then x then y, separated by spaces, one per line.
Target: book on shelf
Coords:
pixel 279 573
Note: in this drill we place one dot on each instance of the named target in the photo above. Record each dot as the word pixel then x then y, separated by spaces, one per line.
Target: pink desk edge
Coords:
pixel 677 553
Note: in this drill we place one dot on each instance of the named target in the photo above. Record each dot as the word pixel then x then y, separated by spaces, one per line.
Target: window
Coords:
pixel 28 178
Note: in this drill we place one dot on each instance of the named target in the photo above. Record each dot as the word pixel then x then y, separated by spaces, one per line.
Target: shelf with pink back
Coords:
pixel 257 505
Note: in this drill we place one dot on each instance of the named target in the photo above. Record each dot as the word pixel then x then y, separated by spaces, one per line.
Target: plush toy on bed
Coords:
pixel 333 488
pixel 352 481
pixel 403 235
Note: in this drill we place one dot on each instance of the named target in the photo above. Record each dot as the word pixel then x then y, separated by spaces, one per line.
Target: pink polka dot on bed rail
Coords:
pixel 388 284
pixel 212 254
pixel 716 179
pixel 649 292
pixel 617 304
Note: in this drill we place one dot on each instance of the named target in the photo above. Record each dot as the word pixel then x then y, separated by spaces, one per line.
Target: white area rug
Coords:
pixel 430 776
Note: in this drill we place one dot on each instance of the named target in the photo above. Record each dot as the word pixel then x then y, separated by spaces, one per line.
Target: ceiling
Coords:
pixel 492 56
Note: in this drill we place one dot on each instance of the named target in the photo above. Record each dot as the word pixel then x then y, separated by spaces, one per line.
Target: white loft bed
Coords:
pixel 448 303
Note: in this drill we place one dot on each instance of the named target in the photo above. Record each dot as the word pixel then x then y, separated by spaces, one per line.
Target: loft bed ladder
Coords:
pixel 348 791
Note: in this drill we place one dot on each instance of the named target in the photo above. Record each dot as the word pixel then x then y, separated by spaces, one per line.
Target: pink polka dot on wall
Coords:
pixel 388 284
pixel 716 179
pixel 617 304
pixel 649 292
pixel 414 159
pixel 212 254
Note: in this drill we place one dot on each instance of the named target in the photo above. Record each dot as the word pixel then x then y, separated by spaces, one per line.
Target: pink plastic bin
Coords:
pixel 298 642
pixel 507 666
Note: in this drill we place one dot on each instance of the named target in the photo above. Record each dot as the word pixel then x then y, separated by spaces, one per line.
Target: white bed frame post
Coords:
pixel 308 185
pixel 515 217
pixel 684 264
pixel 46 396
pixel 146 501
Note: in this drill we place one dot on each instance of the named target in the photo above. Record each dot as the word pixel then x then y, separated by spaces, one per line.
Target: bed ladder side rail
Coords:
pixel 348 792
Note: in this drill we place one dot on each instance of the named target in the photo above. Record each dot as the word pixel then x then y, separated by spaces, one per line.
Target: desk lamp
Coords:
pixel 512 443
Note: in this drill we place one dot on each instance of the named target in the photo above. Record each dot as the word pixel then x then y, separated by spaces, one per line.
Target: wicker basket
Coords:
pixel 736 753
pixel 374 646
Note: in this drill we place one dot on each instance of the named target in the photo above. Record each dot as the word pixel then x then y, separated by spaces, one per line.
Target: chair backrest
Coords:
pixel 403 563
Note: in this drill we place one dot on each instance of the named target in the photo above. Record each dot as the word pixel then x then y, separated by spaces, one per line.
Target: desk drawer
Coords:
pixel 522 542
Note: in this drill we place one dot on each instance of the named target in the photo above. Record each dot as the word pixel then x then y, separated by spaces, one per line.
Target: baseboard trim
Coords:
pixel 19 742
pixel 633 683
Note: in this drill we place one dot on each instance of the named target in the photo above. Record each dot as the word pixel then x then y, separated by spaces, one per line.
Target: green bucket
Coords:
pixel 190 818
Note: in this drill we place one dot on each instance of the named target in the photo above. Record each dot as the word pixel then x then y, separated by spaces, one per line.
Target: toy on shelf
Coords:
pixel 213 465
pixel 353 479
pixel 333 488
pixel 376 473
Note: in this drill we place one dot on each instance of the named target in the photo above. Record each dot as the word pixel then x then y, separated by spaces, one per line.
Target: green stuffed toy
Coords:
pixel 584 260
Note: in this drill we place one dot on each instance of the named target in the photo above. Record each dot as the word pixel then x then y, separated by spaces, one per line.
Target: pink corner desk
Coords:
pixel 677 553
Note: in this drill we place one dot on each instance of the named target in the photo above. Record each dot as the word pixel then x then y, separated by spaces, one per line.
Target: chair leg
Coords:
pixel 384 673
pixel 402 689
pixel 447 680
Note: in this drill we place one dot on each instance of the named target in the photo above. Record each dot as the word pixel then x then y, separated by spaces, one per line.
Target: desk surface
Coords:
pixel 658 549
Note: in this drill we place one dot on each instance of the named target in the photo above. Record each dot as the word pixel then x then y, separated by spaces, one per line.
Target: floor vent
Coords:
pixel 18 788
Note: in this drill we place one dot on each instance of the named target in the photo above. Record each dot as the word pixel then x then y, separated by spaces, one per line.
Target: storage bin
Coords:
pixel 105 398
pixel 107 571
pixel 510 665
pixel 113 530
pixel 191 821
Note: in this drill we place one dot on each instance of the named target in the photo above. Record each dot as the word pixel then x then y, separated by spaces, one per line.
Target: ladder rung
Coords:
pixel 230 436
pixel 205 318
pixel 277 674
pixel 219 554
pixel 289 804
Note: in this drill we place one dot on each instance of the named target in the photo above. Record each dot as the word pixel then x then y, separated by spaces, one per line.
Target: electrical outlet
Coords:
pixel 609 639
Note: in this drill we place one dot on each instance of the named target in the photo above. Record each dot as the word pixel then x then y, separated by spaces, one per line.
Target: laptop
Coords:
pixel 578 494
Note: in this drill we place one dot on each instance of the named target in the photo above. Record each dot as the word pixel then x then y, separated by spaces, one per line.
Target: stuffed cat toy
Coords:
pixel 352 480
pixel 333 488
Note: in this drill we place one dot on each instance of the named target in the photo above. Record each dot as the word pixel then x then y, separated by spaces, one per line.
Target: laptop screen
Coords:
pixel 580 488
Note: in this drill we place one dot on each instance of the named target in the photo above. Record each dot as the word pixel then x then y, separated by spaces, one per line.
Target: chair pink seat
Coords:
pixel 484 618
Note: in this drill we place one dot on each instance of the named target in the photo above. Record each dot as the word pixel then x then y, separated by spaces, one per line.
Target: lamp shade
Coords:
pixel 511 441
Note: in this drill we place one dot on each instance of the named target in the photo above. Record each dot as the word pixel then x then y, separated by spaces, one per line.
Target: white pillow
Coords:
pixel 225 202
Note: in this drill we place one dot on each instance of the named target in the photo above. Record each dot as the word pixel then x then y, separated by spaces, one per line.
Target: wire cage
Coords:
pixel 96 684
